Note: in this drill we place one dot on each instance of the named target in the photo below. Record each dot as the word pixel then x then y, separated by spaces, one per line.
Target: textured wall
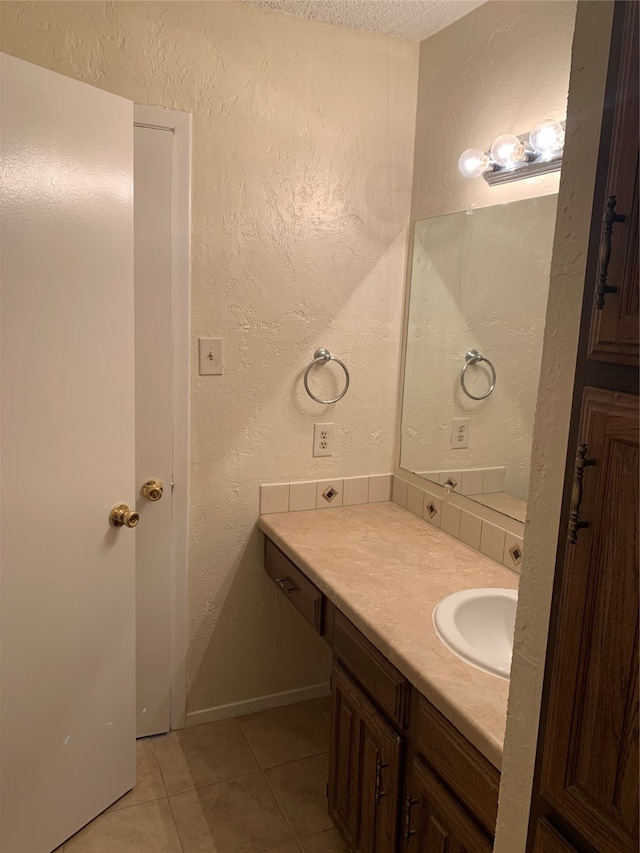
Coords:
pixel 588 74
pixel 478 282
pixel 501 68
pixel 302 150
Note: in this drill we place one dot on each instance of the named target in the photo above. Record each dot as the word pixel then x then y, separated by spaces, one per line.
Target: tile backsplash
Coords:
pixel 490 539
pixel 320 494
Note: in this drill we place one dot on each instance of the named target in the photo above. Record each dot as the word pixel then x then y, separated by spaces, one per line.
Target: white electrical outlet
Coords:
pixel 459 433
pixel 323 439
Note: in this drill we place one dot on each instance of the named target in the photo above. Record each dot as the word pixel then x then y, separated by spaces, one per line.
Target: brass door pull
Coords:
pixel 152 490
pixel 575 525
pixel 122 516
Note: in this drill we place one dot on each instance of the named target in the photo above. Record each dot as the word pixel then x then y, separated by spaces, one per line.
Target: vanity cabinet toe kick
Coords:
pixel 402 779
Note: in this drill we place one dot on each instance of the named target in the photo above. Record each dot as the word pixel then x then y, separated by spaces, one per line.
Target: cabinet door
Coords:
pixel 590 763
pixel 549 840
pixel 434 821
pixel 364 770
pixel 615 322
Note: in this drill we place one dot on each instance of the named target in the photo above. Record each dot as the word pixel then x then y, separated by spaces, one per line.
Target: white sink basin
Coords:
pixel 477 624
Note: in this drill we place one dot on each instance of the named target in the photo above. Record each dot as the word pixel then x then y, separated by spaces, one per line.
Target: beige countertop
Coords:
pixel 386 570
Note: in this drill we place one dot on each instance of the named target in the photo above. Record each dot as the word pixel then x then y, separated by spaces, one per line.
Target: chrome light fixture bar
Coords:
pixel 513 158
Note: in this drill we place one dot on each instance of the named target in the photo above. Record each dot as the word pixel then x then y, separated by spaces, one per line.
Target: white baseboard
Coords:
pixel 260 703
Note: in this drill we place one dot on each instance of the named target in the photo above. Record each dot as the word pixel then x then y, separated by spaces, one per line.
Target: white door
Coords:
pixel 153 239
pixel 67 603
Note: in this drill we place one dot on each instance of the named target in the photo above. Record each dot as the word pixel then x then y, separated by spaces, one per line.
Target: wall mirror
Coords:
pixel 479 285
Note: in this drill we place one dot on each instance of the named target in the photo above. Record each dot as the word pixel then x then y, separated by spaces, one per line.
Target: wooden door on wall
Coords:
pixel 615 323
pixel 586 785
pixel 590 768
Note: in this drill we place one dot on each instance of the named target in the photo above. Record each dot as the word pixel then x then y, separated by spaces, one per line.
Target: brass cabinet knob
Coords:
pixel 122 516
pixel 152 490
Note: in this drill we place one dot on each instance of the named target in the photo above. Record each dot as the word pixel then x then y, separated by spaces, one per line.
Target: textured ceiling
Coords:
pixel 409 19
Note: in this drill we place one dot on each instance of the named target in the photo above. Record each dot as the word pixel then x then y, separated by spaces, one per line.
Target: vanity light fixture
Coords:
pixel 512 158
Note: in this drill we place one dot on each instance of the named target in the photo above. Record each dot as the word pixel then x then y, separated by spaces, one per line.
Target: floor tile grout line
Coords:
pixel 175 823
pixel 293 760
pixel 215 782
pixel 294 837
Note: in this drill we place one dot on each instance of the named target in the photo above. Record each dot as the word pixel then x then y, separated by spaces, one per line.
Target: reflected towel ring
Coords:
pixel 323 356
pixel 474 357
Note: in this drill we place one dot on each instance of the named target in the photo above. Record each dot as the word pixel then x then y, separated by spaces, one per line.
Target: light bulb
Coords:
pixel 547 137
pixel 473 162
pixel 507 150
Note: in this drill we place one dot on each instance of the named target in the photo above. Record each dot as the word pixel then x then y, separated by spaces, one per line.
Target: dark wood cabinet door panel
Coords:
pixel 615 326
pixel 590 768
pixel 549 840
pixel 459 764
pixel 304 595
pixel 434 821
pixel 364 770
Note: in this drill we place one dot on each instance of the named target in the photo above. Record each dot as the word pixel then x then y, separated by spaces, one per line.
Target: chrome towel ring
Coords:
pixel 474 357
pixel 323 356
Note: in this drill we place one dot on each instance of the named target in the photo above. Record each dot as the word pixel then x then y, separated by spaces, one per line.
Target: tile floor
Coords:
pixel 245 785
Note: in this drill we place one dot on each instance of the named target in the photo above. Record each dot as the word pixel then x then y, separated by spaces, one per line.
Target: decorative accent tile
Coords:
pixel 432 509
pixel 451 480
pixel 399 492
pixel 492 541
pixel 380 488
pixel 470 530
pixel 513 551
pixel 302 496
pixel 356 491
pixel 493 480
pixel 328 493
pixel 274 498
pixel 415 500
pixel 472 482
pixel 450 519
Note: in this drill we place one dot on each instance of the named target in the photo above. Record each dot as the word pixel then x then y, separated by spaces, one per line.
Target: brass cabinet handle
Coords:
pixel 576 496
pixel 152 490
pixel 286 585
pixel 408 832
pixel 605 252
pixel 380 765
pixel 122 516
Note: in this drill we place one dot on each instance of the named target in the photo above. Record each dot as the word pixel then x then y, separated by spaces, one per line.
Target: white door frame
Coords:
pixel 180 124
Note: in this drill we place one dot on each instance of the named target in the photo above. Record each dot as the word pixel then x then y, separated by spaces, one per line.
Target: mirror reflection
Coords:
pixel 479 286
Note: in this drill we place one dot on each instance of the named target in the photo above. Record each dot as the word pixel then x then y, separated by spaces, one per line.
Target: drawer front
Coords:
pixel 459 764
pixel 389 689
pixel 306 597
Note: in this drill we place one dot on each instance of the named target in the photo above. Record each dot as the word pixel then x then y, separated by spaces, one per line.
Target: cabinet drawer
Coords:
pixel 380 679
pixel 459 764
pixel 296 586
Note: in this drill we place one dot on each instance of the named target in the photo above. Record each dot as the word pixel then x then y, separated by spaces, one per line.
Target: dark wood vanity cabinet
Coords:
pixel 401 776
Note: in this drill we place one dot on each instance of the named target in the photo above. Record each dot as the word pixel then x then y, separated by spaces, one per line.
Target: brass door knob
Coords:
pixel 152 490
pixel 122 516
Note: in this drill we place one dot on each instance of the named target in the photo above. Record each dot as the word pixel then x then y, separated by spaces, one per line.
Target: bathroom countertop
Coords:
pixel 386 570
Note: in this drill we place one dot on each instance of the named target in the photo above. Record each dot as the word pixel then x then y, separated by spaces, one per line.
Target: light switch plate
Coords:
pixel 210 356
